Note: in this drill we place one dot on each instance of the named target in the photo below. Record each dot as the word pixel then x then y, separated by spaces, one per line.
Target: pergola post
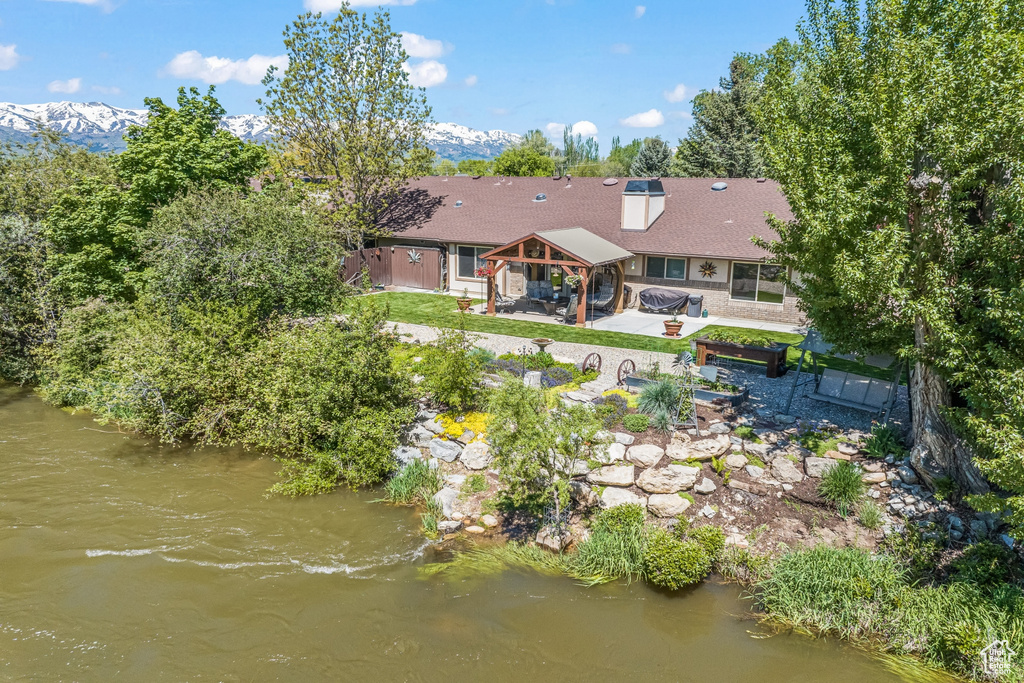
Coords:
pixel 491 266
pixel 581 298
pixel 620 284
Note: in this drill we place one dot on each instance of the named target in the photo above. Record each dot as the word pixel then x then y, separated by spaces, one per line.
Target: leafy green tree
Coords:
pixel 536 141
pixel 24 314
pixel 345 108
pixel 653 160
pixel 519 161
pixel 620 158
pixel 475 167
pixel 896 132
pixel 445 167
pixel 577 151
pixel 452 374
pixel 265 251
pixel 722 142
pixel 182 148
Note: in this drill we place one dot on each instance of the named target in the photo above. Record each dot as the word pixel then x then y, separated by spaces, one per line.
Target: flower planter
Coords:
pixel 773 357
pixel 708 395
pixel 464 304
pixel 672 328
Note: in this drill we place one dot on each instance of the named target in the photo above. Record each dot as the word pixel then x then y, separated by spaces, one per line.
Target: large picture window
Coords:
pixel 666 268
pixel 761 282
pixel 469 260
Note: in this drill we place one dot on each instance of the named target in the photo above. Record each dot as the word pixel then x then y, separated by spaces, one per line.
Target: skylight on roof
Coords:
pixel 541 197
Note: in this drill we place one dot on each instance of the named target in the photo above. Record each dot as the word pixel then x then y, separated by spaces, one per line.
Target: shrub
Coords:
pixel 475 483
pixel 672 563
pixel 663 421
pixel 615 548
pixel 452 373
pixel 631 399
pixel 417 482
pixel 869 514
pixel 884 440
pixel 914 551
pixel 555 377
pixel 657 397
pixel 842 486
pixel 610 408
pixel 482 355
pixel 745 432
pixel 636 423
pixel 986 564
pixel 709 537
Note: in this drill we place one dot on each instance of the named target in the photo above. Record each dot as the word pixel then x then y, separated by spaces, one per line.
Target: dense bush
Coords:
pixel 636 423
pixel 986 564
pixel 416 482
pixel 710 537
pixel 673 563
pixel 884 440
pixel 452 373
pixel 610 409
pixel 615 548
pixel 842 485
pixel 662 396
pixel 23 297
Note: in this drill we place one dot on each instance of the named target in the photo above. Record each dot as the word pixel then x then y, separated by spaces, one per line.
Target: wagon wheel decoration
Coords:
pixel 592 362
pixel 626 368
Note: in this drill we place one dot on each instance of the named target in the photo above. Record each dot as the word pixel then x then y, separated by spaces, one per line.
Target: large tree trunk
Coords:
pixel 933 436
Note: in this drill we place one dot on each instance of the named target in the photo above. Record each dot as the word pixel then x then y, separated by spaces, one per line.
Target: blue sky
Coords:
pixel 509 64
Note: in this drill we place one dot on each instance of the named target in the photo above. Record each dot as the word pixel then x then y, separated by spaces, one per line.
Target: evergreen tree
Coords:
pixel 653 160
pixel 722 142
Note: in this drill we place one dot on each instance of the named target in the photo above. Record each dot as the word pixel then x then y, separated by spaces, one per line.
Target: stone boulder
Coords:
pixel 908 475
pixel 647 455
pixel 583 495
pixel 445 499
pixel 736 461
pixel 873 477
pixel 720 428
pixel 406 454
pixel 705 449
pixel 433 426
pixel 754 472
pixel 757 450
pixel 671 479
pixel 475 529
pixel 706 486
pixel 418 436
pixel 612 476
pixel 817 467
pixel 549 538
pixel 489 521
pixel 476 456
pixel 847 448
pixel 785 471
pixel 445 450
pixel 667 505
pixel 448 526
pixel 624 439
pixel 609 453
pixel 613 497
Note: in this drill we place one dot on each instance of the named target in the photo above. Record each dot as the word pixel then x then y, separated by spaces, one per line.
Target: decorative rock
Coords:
pixel 817 467
pixel 646 455
pixel 532 378
pixel 786 472
pixel 466 437
pixel 754 472
pixel 583 494
pixel 448 526
pixel 406 454
pixel 612 476
pixel 756 489
pixel 783 419
pixel 706 449
pixel 1007 540
pixel 667 505
pixel 419 436
pixel 489 520
pixel 445 450
pixel 610 453
pixel 836 455
pixel 477 456
pixel 456 480
pixel 720 428
pixel 671 479
pixel 979 529
pixel 445 499
pixel 737 540
pixel 758 450
pixel 434 426
pixel 706 486
pixel 708 511
pixel 613 497
pixel 907 474
pixel 873 477
pixel 550 539
pixel 847 448
pixel 736 461
pixel 425 415
pixel 624 439
pixel 475 529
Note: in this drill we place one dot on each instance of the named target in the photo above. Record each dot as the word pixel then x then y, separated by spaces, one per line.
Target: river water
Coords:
pixel 123 559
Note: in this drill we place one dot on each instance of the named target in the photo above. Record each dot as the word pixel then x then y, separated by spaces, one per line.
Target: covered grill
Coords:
pixel 657 299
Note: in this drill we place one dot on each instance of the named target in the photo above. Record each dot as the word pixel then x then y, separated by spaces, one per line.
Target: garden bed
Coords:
pixel 773 356
pixel 709 394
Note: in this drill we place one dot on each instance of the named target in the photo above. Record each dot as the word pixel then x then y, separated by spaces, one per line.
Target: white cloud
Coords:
pixel 426 74
pixel 335 5
pixel 639 11
pixel 421 47
pixel 105 5
pixel 647 119
pixel 471 81
pixel 621 49
pixel 9 57
pixel 585 128
pixel 218 70
pixel 105 90
pixel 72 85
pixel 500 111
pixel 676 94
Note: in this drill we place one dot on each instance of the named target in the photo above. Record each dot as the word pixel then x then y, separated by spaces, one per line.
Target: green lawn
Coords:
pixel 438 310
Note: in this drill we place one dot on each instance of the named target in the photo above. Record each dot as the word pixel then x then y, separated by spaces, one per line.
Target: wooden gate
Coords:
pixel 377 259
pixel 418 267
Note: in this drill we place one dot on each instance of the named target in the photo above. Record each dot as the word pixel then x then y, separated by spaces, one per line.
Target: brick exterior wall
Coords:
pixel 717 301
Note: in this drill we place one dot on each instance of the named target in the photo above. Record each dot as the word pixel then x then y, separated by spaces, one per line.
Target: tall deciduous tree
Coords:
pixel 620 158
pixel 523 161
pixel 722 142
pixel 897 131
pixel 536 141
pixel 653 159
pixel 578 151
pixel 345 107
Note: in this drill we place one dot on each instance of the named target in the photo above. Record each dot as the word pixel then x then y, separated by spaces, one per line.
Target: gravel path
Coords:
pixel 767 396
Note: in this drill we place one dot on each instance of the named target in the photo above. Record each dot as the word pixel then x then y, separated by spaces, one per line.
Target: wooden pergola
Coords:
pixel 575 250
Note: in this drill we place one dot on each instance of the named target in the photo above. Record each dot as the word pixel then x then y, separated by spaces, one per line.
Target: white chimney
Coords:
pixel 642 202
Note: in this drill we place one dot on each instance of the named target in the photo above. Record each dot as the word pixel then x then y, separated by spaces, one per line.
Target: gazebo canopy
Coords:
pixel 579 245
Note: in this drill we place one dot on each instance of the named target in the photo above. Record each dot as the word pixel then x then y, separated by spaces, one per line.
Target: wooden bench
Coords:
pixel 773 357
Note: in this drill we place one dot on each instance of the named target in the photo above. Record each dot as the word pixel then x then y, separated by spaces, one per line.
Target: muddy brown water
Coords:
pixel 120 559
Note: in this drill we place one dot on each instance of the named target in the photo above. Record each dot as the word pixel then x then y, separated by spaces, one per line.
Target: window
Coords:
pixel 469 260
pixel 761 282
pixel 666 268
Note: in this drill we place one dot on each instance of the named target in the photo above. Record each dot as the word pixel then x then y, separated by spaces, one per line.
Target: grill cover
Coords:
pixel 657 299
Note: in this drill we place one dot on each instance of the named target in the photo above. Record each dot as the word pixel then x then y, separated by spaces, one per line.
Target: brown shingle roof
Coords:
pixel 696 222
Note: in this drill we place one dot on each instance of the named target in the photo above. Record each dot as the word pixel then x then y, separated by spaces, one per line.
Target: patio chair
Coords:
pixel 569 312
pixel 602 299
pixel 537 291
pixel 502 303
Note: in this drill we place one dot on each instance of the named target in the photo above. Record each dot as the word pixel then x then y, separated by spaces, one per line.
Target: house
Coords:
pixel 688 234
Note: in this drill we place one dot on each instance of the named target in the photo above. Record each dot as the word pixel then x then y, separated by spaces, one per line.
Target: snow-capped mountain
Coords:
pixel 100 127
